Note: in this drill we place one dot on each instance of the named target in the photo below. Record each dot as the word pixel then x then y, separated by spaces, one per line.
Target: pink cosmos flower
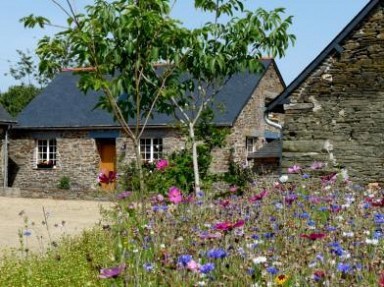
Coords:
pixel 317 165
pixel 259 196
pixel 233 188
pixel 162 164
pixel 113 272
pixel 174 195
pixel 227 226
pixel 294 169
pixel 193 266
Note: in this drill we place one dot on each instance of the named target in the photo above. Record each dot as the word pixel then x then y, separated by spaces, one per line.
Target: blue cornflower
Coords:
pixel 272 270
pixel 206 268
pixel 378 234
pixel 216 253
pixel 311 222
pixel 343 267
pixel 305 176
pixel 27 233
pixel 336 248
pixel 184 259
pixel 160 208
pixel 269 235
pixel 200 194
pixel 379 218
pixel 148 267
pixel 304 215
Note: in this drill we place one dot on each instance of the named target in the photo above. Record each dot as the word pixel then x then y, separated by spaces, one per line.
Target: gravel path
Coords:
pixel 64 217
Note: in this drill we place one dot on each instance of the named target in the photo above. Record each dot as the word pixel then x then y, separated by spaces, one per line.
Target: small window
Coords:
pixel 151 149
pixel 46 153
pixel 251 144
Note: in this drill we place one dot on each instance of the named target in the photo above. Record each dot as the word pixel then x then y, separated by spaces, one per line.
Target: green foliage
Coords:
pixel 239 175
pixel 75 262
pixel 26 68
pixel 179 173
pixel 64 183
pixel 17 97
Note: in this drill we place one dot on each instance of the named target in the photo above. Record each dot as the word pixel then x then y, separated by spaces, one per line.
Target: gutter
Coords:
pixel 280 128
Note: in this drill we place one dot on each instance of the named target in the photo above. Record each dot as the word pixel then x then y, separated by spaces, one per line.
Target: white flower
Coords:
pixel 283 178
pixel 348 234
pixel 371 241
pixel 260 259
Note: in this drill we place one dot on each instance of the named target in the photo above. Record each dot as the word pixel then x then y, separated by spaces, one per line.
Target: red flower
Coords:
pixel 381 279
pixel 376 202
pixel 227 226
pixel 313 236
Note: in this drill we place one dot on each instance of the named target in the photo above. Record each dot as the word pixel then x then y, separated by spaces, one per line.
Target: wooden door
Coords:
pixel 107 152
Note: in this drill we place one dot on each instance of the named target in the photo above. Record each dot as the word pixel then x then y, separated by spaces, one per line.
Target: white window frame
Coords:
pixel 153 153
pixel 250 144
pixel 48 151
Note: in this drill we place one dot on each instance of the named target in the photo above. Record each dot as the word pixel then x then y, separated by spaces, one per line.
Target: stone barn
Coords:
pixel 334 110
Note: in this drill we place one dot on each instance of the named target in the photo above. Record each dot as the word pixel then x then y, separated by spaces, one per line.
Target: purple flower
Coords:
pixel 206 268
pixel 336 248
pixel 27 233
pixel 183 260
pixel 112 272
pixel 123 195
pixel 294 169
pixel 217 253
pixel 272 270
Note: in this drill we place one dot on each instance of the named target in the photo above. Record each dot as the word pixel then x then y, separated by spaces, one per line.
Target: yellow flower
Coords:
pixel 281 279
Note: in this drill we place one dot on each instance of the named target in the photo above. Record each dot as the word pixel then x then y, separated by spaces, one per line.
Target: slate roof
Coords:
pixel 62 105
pixel 5 117
pixel 283 98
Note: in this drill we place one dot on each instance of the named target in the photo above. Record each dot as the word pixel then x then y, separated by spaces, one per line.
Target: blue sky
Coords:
pixel 316 23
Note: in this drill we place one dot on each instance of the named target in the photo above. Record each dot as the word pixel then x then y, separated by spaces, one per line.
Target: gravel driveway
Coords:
pixel 64 217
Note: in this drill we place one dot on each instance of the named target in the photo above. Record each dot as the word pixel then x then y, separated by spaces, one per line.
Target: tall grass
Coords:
pixel 293 231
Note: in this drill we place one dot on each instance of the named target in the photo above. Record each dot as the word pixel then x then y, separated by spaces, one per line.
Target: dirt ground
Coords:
pixel 64 217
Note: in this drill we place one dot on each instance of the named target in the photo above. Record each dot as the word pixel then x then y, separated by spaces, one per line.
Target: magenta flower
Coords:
pixel 112 272
pixel 174 195
pixel 162 164
pixel 107 178
pixel 294 169
pixel 227 226
pixel 259 196
pixel 313 236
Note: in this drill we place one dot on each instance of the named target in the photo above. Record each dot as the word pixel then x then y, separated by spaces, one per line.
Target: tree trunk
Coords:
pixel 139 166
pixel 194 157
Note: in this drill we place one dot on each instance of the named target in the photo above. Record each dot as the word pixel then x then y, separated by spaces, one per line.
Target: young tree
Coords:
pixel 220 50
pixel 17 97
pixel 120 44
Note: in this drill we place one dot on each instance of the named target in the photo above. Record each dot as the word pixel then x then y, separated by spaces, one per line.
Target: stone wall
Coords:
pixel 77 158
pixel 337 114
pixel 250 122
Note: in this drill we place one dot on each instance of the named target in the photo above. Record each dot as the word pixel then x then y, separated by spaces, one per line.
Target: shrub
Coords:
pixel 64 183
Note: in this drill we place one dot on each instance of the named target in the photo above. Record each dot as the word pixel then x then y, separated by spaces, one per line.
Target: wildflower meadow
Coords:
pixel 308 227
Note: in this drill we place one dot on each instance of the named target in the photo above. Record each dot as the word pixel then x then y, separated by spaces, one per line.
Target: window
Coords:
pixel 46 153
pixel 151 149
pixel 251 144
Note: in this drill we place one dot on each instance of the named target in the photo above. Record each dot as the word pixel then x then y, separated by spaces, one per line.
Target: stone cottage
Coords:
pixel 334 110
pixel 61 134
pixel 6 123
